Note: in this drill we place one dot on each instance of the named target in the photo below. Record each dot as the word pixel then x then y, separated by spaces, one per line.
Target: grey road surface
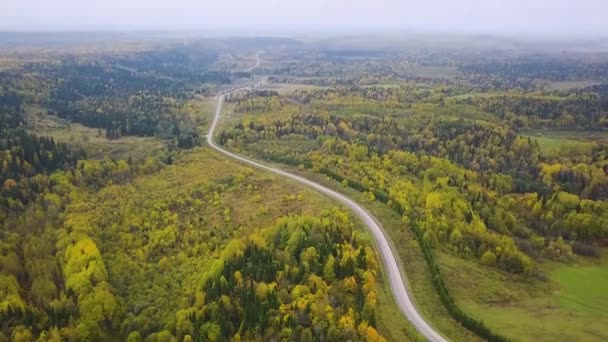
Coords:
pixel 398 287
pixel 257 62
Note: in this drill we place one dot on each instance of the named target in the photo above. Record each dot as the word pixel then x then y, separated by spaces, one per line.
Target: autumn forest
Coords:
pixel 485 163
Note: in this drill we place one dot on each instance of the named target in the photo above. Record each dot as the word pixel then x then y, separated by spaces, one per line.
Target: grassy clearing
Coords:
pixel 286 88
pixel 537 96
pixel 568 85
pixel 558 147
pixel 568 143
pixel 583 289
pixel 206 110
pixel 423 111
pixel 382 85
pixel 569 306
pixel 92 140
pixel 432 71
pixel 584 136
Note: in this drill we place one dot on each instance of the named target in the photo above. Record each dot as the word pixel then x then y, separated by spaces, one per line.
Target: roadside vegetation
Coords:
pixel 465 174
pixel 488 171
pixel 142 238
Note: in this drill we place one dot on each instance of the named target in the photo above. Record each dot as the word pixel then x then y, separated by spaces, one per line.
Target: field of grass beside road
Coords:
pixel 570 305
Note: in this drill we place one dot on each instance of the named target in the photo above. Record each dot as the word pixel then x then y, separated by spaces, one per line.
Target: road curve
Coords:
pixel 257 62
pixel 398 287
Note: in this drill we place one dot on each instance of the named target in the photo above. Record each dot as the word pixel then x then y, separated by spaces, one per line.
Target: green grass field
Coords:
pixel 501 94
pixel 584 289
pixel 432 71
pixel 561 147
pixel 555 144
pixel 567 85
pixel 92 140
pixel 571 305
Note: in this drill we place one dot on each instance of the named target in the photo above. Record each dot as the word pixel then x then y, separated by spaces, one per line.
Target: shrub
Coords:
pixel 559 250
pixel 488 258
pixel 584 249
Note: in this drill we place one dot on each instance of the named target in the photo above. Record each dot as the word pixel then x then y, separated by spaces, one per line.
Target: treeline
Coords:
pixel 540 67
pixel 436 126
pixel 26 159
pixel 123 102
pixel 602 91
pixel 189 64
pixel 477 145
pixel 578 110
pixel 140 93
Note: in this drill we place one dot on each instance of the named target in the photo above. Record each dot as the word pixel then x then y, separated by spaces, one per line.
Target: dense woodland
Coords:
pixel 493 168
pixel 517 70
pixel 91 258
pixel 141 93
pixel 26 159
pixel 89 248
pixel 456 168
pixel 184 245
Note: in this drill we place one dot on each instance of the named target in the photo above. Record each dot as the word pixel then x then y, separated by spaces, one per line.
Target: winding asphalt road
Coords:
pixel 402 297
pixel 257 62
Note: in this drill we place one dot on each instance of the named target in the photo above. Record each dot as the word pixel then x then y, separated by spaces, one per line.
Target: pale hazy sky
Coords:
pixel 562 17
